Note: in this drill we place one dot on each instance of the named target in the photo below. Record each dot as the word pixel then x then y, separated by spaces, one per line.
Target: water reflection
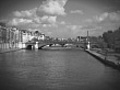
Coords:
pixel 55 70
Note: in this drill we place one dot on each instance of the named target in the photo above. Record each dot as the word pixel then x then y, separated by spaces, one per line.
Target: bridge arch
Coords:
pixel 40 46
pixel 30 47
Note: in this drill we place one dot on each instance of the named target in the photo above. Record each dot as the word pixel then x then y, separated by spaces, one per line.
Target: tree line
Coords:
pixel 112 38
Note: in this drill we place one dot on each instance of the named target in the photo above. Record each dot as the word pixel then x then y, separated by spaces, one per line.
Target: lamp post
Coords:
pixel 88 41
pixel 106 53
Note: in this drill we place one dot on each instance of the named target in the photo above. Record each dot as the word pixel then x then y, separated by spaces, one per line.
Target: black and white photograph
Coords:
pixel 59 44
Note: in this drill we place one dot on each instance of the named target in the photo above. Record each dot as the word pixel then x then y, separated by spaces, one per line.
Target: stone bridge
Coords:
pixel 40 44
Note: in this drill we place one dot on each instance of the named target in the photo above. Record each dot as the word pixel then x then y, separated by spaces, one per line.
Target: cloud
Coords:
pixel 91 28
pixel 109 21
pixel 115 16
pixel 74 27
pixel 105 17
pixel 45 21
pixel 88 20
pixel 27 16
pixel 49 25
pixel 45 15
pixel 76 30
pixel 17 21
pixel 102 17
pixel 112 16
pixel 49 19
pixel 99 18
pixel 104 22
pixel 54 7
pixel 26 13
pixel 62 22
pixel 77 11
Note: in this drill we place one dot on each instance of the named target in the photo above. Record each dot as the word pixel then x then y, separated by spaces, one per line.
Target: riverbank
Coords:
pixel 111 61
pixel 9 50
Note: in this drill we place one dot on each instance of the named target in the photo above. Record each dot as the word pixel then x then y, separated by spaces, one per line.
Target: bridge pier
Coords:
pixel 20 45
pixel 36 45
pixel 88 45
pixel 23 45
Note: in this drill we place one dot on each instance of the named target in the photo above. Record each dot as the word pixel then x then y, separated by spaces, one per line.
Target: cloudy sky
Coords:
pixel 62 18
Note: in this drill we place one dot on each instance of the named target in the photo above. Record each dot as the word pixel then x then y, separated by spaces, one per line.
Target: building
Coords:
pixel 78 38
pixel 41 36
pixel 9 37
pixel 83 39
pixel 25 36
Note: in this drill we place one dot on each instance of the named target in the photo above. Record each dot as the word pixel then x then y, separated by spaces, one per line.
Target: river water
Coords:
pixel 55 69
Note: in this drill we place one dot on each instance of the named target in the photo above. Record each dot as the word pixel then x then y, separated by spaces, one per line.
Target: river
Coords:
pixel 55 69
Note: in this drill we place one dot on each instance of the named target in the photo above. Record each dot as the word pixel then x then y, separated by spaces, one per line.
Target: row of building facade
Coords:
pixel 12 37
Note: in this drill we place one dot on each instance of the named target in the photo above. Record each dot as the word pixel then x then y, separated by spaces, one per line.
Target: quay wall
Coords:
pixel 104 60
pixel 9 50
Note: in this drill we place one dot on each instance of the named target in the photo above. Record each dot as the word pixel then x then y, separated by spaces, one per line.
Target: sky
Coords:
pixel 62 18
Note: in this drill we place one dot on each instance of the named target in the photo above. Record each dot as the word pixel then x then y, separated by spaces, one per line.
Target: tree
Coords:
pixel 112 38
pixel 3 24
pixel 108 38
pixel 36 32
